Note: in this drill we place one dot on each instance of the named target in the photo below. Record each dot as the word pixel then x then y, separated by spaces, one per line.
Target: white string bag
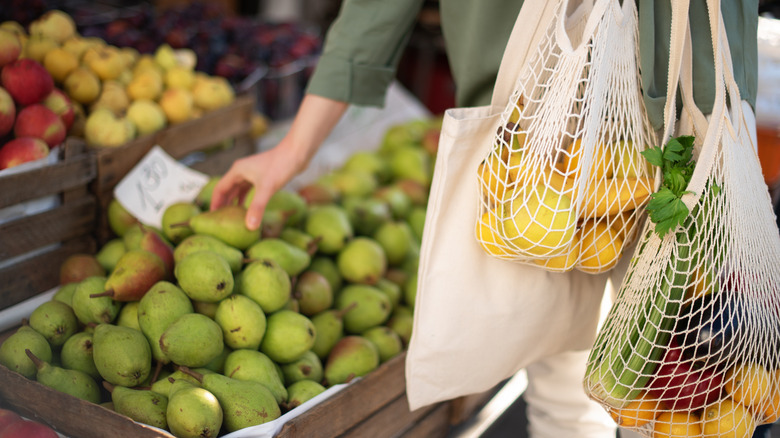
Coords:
pixel 691 344
pixel 563 184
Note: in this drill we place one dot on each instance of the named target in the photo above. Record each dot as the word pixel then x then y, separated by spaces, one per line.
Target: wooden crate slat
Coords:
pixel 68 415
pixel 62 223
pixel 49 180
pixel 433 425
pixel 39 273
pixel 389 421
pixel 352 404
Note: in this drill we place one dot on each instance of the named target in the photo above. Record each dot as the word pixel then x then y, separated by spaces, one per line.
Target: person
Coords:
pixel 362 50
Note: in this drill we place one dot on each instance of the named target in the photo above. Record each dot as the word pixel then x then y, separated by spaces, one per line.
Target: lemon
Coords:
pixel 564 262
pixel 748 383
pixel 538 221
pixel 677 425
pixel 727 419
pixel 639 412
pixel 628 162
pixel 493 175
pixel 601 246
pixel 612 196
pixel 488 236
pixel 602 166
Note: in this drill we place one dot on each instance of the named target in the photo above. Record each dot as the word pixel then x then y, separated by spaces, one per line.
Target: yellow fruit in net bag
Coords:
pixel 538 221
pixel 488 236
pixel 639 412
pixel 600 246
pixel 628 161
pixel 564 262
pixel 748 384
pixel 612 196
pixel 677 425
pixel 727 419
pixel 493 174
pixel 574 160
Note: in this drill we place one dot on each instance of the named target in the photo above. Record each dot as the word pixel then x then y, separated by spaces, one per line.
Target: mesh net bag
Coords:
pixel 563 184
pixel 691 344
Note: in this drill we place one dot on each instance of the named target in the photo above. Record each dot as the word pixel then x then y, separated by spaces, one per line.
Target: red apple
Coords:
pixel 10 47
pixel 21 150
pixel 39 121
pixel 27 81
pixel 7 418
pixel 60 103
pixel 28 429
pixel 7 112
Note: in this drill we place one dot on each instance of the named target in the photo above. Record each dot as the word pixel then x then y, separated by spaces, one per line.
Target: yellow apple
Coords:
pixel 113 96
pixel 147 116
pixel 60 62
pixel 213 93
pixel 82 85
pixel 177 104
pixel 104 129
pixel 146 84
pixel 54 24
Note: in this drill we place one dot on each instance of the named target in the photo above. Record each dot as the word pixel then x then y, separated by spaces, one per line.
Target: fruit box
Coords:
pixel 32 243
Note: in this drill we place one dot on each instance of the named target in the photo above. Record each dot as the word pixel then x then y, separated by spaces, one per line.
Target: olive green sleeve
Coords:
pixel 741 22
pixel 362 50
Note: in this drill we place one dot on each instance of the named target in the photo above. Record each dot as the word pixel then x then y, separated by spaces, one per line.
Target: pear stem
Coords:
pixel 198 376
pixel 35 360
pixel 314 245
pixel 109 387
pixel 180 224
pixel 108 293
pixel 340 313
pixel 157 371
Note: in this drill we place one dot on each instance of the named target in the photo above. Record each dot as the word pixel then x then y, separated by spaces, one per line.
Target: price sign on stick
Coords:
pixel 156 182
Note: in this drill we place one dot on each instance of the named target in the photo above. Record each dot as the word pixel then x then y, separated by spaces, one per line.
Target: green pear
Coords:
pixel 252 365
pixel 401 321
pixel 300 239
pixel 163 304
pixel 273 222
pixel 267 283
pixel 313 293
pixel 416 221
pixel 217 364
pixel 362 260
pixel 200 242
pixel 302 391
pixel 371 307
pixel 406 134
pixel 204 276
pixel 353 356
pixel 135 272
pixel 327 266
pixel 410 290
pixel 366 213
pixel 100 309
pixel 371 162
pixel 319 192
pixel 226 224
pixel 72 382
pixel 329 328
pixel 119 219
pixel 387 342
pixel 132 237
pixel 65 293
pixel 142 405
pixel 206 308
pixel 288 335
pixel 330 223
pixel 176 213
pixel 411 163
pixel 307 367
pixel 354 182
pixel 396 239
pixel 192 340
pixel 12 351
pixel 291 258
pixel 128 316
pixel 110 253
pixel 55 320
pixel 393 291
pixel 399 203
pixel 76 354
pixel 242 321
pixel 164 384
pixel 203 198
pixel 244 403
pixel 193 412
pixel 288 201
pixel 122 355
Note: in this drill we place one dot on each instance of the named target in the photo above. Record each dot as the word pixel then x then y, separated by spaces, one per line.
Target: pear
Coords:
pixel 164 384
pixel 55 320
pixel 205 276
pixel 176 213
pixel 313 293
pixel 416 221
pixel 307 367
pixel 401 322
pixel 102 309
pixel 327 266
pixel 354 182
pixel 396 239
pixel 119 219
pixel 410 290
pixel 203 198
pixel 371 307
pixel 64 293
pixel 72 382
pixel 192 340
pixel 300 239
pixel 199 242
pixel 387 342
pixel 399 203
pixel 205 308
pixel 288 335
pixel 110 253
pixel 319 193
pixel 193 412
pixel 393 291
pixel 154 242
pixel 242 321
pixel 366 213
pixel 142 405
pixel 76 354
pixel 415 190
pixel 12 351
pixel 273 222
pixel 217 364
pixel 244 403
pixel 291 258
pixel 331 224
pixel 122 355
pixel 128 316
pixel 226 224
pixel 77 267
pixel 371 162
pixel 252 365
pixel 291 202
pixel 302 391
pixel 411 163
pixel 135 272
pixel 362 260
pixel 265 282
pixel 163 304
pixel 329 328
pixel 353 356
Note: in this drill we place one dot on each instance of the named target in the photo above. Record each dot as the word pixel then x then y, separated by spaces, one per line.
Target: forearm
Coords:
pixel 315 119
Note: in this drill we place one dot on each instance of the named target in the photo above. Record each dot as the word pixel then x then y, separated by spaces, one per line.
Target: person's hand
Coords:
pixel 271 170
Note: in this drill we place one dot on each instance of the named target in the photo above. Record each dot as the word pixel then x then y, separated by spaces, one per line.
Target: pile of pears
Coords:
pixel 204 327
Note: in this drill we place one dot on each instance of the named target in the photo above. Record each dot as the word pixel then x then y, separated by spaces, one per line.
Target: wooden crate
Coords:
pixel 32 245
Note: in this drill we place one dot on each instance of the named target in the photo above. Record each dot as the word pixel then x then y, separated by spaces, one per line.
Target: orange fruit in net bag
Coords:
pixel 772 409
pixel 493 174
pixel 637 413
pixel 601 246
pixel 727 419
pixel 748 384
pixel 487 233
pixel 677 425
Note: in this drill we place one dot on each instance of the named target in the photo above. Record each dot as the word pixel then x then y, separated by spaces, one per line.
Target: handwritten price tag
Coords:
pixel 156 182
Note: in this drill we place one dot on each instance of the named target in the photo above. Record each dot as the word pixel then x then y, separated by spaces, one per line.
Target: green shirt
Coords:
pixel 364 45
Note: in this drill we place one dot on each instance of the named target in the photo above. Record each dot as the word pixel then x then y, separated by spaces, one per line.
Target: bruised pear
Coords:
pixel 302 391
pixel 307 367
pixel 288 336
pixel 76 354
pixel 353 356
pixel 313 293
pixel 55 320
pixel 369 307
pixel 242 321
pixel 265 282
